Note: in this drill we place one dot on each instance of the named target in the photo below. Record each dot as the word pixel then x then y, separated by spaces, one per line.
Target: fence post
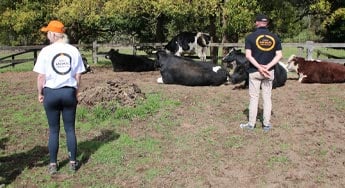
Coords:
pixel 35 56
pixel 94 51
pixel 310 48
pixel 13 63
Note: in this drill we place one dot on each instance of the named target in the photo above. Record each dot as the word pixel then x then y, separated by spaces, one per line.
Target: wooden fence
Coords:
pixel 15 59
pixel 303 49
pixel 11 60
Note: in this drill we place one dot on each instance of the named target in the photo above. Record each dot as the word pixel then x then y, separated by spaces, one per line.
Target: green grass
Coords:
pixel 278 160
pixel 130 146
pixel 23 67
pixel 234 142
pixel 339 103
pixel 24 124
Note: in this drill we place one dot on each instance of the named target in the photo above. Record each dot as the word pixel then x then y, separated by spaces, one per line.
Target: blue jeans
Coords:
pixel 56 102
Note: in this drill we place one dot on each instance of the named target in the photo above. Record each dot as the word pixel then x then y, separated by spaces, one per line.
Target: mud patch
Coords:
pixel 118 91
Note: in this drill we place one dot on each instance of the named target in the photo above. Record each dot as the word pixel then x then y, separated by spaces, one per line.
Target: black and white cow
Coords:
pixel 189 42
pixel 186 71
pixel 86 65
pixel 241 74
pixel 131 63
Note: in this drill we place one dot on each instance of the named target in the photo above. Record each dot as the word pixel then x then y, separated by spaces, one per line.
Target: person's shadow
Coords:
pixel 12 166
pixel 260 114
pixel 85 151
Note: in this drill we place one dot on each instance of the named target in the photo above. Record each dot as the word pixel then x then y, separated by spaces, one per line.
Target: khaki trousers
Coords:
pixel 257 81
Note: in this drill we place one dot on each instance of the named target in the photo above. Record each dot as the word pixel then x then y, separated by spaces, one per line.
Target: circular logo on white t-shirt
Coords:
pixel 61 63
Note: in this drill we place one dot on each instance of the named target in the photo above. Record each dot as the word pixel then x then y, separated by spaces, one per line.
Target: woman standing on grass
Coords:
pixel 59 67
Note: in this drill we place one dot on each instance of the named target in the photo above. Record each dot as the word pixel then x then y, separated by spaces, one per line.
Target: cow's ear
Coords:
pixel 117 50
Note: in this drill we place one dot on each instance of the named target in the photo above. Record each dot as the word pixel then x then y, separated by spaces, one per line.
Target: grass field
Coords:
pixel 177 137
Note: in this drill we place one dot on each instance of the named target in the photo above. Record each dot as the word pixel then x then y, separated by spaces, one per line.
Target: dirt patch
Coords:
pixel 113 90
pixel 200 140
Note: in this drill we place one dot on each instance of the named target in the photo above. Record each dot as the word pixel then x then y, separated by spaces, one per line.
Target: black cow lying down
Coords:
pixel 185 71
pixel 131 63
pixel 241 74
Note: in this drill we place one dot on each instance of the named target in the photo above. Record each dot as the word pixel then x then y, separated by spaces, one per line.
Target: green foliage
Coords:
pixel 83 18
pixel 334 26
pixel 239 16
pixel 20 22
pixel 158 21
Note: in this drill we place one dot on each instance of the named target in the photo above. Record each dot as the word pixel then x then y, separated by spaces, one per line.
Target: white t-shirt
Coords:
pixel 59 62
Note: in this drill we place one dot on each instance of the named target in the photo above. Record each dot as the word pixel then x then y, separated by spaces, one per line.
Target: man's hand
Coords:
pixel 264 71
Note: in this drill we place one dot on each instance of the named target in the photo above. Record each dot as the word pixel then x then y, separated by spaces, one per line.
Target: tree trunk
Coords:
pixel 214 38
pixel 160 30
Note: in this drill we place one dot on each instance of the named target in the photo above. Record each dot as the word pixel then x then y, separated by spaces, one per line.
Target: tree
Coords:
pixel 334 26
pixel 238 16
pixel 83 19
pixel 20 21
pixel 160 20
pixel 172 16
pixel 332 16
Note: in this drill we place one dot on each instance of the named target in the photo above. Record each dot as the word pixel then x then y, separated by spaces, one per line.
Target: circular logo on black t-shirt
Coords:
pixel 265 42
pixel 61 63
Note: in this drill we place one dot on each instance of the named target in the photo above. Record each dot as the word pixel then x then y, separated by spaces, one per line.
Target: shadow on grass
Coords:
pixel 260 114
pixel 12 166
pixel 2 142
pixel 88 147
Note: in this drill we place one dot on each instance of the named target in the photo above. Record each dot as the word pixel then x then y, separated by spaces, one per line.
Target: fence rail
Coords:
pixel 303 48
pixel 12 60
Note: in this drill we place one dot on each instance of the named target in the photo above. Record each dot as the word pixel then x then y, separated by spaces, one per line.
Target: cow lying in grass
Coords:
pixel 130 63
pixel 240 73
pixel 185 71
pixel 314 71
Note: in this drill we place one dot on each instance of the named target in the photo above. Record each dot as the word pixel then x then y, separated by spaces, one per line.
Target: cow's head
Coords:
pixel 240 73
pixel 203 39
pixel 230 57
pixel 112 53
pixel 161 55
pixel 293 61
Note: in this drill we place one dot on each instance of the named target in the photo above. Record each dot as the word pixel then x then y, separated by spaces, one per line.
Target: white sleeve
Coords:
pixel 80 65
pixel 39 65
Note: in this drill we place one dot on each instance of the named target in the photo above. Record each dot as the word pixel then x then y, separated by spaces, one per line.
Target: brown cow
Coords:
pixel 315 71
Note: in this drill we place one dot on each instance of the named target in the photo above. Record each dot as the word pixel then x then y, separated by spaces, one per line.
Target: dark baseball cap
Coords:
pixel 261 18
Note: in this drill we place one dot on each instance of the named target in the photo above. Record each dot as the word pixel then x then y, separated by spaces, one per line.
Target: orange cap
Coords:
pixel 54 26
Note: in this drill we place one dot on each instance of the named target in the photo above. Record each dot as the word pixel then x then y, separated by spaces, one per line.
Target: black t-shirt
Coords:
pixel 263 45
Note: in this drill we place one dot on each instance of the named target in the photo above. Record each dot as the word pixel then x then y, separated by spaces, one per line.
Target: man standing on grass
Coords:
pixel 263 50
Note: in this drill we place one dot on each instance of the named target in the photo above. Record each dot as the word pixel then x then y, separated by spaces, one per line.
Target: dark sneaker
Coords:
pixel 52 168
pixel 74 166
pixel 247 126
pixel 266 128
